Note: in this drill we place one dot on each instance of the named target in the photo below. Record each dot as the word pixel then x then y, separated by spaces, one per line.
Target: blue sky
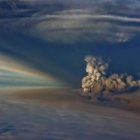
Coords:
pixel 53 37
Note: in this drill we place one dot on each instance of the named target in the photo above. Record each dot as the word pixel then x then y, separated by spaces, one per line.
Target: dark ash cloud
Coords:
pixel 98 81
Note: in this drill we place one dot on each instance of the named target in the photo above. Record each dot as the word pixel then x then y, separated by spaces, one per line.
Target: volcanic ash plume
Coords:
pixel 97 82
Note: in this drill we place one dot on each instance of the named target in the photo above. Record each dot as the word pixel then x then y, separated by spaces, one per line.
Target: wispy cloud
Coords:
pixel 95 17
pixel 68 28
pixel 14 73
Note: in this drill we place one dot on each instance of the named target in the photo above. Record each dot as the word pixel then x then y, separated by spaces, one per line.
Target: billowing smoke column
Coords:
pixel 97 82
